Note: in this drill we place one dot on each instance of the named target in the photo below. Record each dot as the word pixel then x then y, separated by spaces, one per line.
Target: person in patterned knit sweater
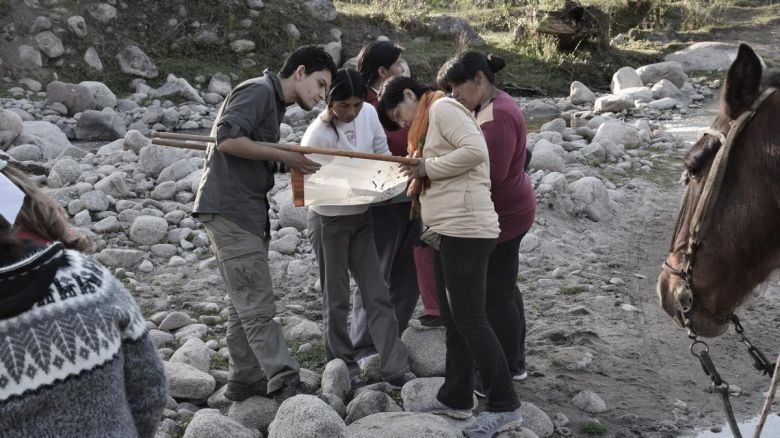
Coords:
pixel 75 357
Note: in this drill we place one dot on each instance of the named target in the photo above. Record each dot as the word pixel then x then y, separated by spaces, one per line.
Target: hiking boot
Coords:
pixel 436 407
pixel 431 321
pixel 291 389
pixel 490 423
pixel 403 379
pixel 239 391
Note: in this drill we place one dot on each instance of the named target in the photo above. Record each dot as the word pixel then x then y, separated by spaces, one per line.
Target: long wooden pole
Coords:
pixel 768 402
pixel 179 140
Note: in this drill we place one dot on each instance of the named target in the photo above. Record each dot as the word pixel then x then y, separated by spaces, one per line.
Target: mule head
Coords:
pixel 708 298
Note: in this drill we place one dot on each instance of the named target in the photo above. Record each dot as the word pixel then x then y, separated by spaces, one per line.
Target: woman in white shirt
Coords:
pixel 342 236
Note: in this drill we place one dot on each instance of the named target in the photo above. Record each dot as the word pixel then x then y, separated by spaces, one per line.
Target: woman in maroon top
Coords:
pixel 471 79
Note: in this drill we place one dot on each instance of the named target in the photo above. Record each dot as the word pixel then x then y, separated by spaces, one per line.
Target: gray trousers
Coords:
pixel 344 245
pixel 394 236
pixel 255 340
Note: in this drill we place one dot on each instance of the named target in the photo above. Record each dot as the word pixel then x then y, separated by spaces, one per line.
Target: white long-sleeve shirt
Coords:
pixel 369 137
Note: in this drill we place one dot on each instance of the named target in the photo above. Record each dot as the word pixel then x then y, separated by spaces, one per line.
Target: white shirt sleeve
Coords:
pixel 320 134
pixel 378 136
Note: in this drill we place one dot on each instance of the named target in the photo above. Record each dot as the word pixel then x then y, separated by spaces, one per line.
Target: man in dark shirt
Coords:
pixel 232 205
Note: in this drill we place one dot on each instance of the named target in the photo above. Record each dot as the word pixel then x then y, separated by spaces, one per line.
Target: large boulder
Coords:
pixel 619 133
pixel 669 70
pixel 100 125
pixel 153 158
pixel 133 60
pixel 220 84
pixel 427 350
pixel 188 382
pixel 11 126
pixel 642 94
pixel 322 10
pixel 455 27
pixel 665 88
pixel 210 423
pixel 47 136
pixel 66 170
pixel 135 141
pixel 194 353
pixel 255 412
pixel 369 403
pixel 706 56
pixel 626 77
pixel 613 103
pixel 178 87
pixel 120 258
pixel 290 215
pixel 590 197
pixel 401 424
pixel 148 230
pixel 306 416
pixel 546 159
pixel 579 94
pixel 76 98
pixel 113 185
pixel 101 94
pixel 49 44
pixel 419 392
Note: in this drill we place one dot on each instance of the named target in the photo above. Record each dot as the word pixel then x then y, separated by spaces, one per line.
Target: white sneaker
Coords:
pixel 520 375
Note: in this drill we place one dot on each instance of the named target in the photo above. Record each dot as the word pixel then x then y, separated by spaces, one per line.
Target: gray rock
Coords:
pixel 194 353
pixel 120 258
pixel 548 160
pixel 30 56
pixel 295 34
pixel 210 423
pixel 95 201
pixel 160 338
pixel 31 84
pixel 101 94
pixel 178 87
pixel 45 135
pixel 77 25
pixel 705 56
pixel 285 245
pixel 322 10
pixel 135 141
pixel 626 77
pixel 588 401
pixel 419 392
pixel 336 379
pixel 100 125
pixel 219 84
pixel 454 27
pixel 164 191
pixel 594 152
pixel 191 331
pixel 619 133
pixel 92 59
pixel 82 219
pixel 289 215
pixel 536 420
pixel 254 413
pixel 368 403
pixel 49 44
pixel 102 12
pixel 25 152
pixel 427 350
pixel 242 46
pixel 176 171
pixel 556 125
pixel 613 103
pixel 591 198
pixel 153 158
pixel 520 432
pixel 312 379
pixel 175 320
pixel 254 4
pixel 401 424
pixel 301 329
pixel 671 71
pixel 40 24
pixel 665 104
pixel 11 126
pixel 133 60
pixel 665 88
pixel 76 98
pixel 107 225
pixel 334 50
pixel 113 185
pixel 642 94
pixel 579 94
pixel 306 416
pixel 335 403
pixel 148 230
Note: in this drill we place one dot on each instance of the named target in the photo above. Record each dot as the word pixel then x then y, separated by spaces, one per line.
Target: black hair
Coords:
pixel 313 58
pixel 374 55
pixel 392 94
pixel 346 83
pixel 465 67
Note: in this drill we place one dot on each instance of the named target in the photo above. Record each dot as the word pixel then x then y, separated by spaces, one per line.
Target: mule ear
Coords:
pixel 742 82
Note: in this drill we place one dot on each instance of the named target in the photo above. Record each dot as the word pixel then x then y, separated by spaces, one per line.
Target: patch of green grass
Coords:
pixel 572 290
pixel 180 428
pixel 593 428
pixel 313 359
pixel 395 394
pixel 219 362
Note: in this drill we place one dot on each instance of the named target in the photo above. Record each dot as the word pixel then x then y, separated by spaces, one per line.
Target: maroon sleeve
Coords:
pixel 501 141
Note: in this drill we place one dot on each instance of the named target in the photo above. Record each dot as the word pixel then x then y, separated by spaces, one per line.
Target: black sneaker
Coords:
pixel 239 391
pixel 291 389
pixel 431 321
pixel 403 379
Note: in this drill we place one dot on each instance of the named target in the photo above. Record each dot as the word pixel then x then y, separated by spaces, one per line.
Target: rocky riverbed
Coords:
pixel 604 359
